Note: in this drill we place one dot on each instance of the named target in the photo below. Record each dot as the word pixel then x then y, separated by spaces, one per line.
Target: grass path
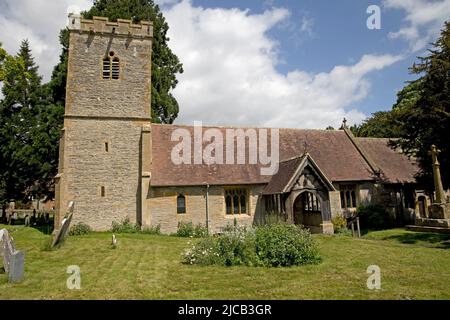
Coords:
pixel 413 266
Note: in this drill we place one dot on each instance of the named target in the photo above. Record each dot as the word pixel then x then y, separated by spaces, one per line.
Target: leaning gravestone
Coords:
pixel 13 260
pixel 62 232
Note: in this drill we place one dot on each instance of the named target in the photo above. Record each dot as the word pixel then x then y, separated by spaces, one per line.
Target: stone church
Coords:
pixel 115 163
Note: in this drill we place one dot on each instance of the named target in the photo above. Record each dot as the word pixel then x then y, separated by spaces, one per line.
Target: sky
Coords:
pixel 271 63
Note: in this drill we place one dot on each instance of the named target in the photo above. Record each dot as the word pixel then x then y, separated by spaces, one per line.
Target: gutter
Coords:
pixel 207 208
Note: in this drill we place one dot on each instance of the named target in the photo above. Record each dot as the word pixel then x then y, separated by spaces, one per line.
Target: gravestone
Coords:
pixel 114 241
pixel 27 221
pixel 6 248
pixel 65 224
pixel 13 260
pixel 16 266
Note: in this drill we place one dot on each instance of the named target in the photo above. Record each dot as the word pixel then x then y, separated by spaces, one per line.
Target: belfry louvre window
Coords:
pixel 348 196
pixel 236 201
pixel 111 67
pixel 181 204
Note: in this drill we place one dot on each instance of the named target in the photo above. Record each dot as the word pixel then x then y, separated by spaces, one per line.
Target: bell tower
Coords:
pixel 102 158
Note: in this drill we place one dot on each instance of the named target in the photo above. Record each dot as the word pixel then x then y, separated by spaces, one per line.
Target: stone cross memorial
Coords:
pixel 13 260
pixel 438 188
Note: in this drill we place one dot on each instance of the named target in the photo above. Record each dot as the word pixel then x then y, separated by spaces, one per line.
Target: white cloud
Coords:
pixel 230 75
pixel 306 24
pixel 229 61
pixel 39 21
pixel 165 2
pixel 424 19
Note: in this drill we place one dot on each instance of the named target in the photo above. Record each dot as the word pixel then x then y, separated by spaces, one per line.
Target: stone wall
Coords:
pixel 162 207
pixel 101 144
pixel 88 94
pixel 88 167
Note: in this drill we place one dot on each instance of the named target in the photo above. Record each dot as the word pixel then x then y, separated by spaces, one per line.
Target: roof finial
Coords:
pixel 344 124
pixel 305 145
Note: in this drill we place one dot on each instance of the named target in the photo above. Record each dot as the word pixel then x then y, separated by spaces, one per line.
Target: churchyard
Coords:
pixel 413 265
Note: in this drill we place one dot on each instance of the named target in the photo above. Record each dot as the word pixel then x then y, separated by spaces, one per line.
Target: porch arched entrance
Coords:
pixel 307 210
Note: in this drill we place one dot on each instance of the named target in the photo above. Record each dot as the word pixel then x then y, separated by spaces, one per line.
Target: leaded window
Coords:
pixel 236 201
pixel 348 196
pixel 181 204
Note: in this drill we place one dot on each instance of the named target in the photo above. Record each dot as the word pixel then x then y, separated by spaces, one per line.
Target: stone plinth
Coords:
pixel 439 211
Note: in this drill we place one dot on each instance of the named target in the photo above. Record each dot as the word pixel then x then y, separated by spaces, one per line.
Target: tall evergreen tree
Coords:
pixel 18 113
pixel 427 119
pixel 165 64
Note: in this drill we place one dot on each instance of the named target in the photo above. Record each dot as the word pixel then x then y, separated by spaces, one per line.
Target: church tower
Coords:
pixel 105 146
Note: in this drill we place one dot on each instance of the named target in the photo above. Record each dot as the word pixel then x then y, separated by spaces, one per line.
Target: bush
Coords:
pixel 272 246
pixel 235 246
pixel 285 245
pixel 374 217
pixel 125 226
pixel 152 230
pixel 187 229
pixel 80 229
pixel 339 224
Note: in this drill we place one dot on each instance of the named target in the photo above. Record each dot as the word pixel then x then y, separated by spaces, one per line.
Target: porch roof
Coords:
pixel 289 171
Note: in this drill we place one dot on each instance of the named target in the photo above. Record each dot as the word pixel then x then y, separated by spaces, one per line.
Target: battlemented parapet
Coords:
pixel 103 26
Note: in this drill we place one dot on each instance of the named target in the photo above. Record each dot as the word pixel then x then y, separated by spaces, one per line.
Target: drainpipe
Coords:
pixel 207 208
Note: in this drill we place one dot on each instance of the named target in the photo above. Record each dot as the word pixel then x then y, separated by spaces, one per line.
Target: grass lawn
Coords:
pixel 413 266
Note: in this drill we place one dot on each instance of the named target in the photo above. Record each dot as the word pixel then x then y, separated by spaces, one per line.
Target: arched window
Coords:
pixel 353 199
pixel 236 204
pixel 228 204
pixel 348 196
pixel 243 203
pixel 115 68
pixel 236 201
pixel 106 68
pixel 181 204
pixel 111 67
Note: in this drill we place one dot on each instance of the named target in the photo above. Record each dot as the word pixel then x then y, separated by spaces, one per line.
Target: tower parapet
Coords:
pixel 101 25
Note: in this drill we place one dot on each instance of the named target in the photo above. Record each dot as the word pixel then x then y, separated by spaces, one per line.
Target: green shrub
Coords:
pixel 203 253
pixel 187 229
pixel 80 229
pixel 152 230
pixel 272 246
pixel 339 224
pixel 285 245
pixel 374 217
pixel 125 226
pixel 235 246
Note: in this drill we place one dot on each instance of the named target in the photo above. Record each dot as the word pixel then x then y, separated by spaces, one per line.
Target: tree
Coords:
pixel 165 64
pixel 21 91
pixel 426 117
pixel 389 124
pixel 29 128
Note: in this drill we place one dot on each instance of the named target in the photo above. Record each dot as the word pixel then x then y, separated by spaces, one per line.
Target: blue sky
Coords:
pixel 338 36
pixel 271 63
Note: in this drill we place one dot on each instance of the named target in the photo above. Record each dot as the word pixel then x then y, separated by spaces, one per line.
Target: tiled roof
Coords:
pixel 285 172
pixel 332 150
pixel 395 166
